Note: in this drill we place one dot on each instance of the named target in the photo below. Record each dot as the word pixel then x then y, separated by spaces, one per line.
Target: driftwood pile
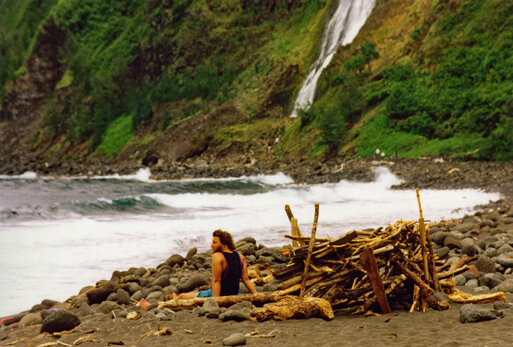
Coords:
pixel 367 270
pixel 363 271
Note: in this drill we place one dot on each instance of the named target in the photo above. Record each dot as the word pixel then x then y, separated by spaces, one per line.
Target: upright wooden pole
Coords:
pixel 422 230
pixel 294 227
pixel 310 249
pixel 431 252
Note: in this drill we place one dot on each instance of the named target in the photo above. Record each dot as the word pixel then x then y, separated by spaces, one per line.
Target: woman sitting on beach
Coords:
pixel 228 268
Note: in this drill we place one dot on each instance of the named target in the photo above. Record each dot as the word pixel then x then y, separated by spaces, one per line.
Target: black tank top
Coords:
pixel 232 274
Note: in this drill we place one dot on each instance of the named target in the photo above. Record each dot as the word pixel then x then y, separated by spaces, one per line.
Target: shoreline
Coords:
pixel 108 322
pixel 436 173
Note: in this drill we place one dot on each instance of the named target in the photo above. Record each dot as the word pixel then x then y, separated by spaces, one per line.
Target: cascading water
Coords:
pixel 342 28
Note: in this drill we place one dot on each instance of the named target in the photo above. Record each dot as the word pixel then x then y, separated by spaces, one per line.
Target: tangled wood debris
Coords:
pixel 366 270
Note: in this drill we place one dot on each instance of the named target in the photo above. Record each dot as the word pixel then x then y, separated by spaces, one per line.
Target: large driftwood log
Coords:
pixel 463 298
pixel 369 263
pixel 295 307
pixel 223 301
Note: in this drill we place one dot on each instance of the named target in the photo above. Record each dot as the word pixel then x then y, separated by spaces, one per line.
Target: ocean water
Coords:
pixel 58 235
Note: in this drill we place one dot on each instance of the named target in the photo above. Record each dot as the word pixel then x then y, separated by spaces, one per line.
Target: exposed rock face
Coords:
pixel 43 71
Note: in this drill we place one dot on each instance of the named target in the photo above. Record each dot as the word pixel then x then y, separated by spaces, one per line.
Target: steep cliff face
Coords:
pixel 22 109
pixel 42 72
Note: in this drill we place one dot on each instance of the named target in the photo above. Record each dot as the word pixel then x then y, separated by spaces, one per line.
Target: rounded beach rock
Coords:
pixel 471 313
pixel 59 321
pixel 236 339
pixel 97 295
pixel 31 319
pixel 193 283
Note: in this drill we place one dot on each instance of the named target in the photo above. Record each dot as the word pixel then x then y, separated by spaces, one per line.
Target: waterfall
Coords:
pixel 342 28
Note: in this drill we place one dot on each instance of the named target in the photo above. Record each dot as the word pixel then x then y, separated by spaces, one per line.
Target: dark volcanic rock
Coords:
pixel 97 295
pixel 193 283
pixel 192 252
pixel 175 259
pixel 452 242
pixel 471 313
pixel 485 264
pixel 123 297
pixel 59 321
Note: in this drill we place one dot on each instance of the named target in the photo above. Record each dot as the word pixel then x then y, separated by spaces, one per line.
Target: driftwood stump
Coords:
pixel 295 307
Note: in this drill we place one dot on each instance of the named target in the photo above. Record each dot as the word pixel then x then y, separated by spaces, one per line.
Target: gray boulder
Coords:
pixel 464 227
pixel 49 302
pixel 171 289
pixel 471 283
pixel 131 287
pixel 452 242
pixel 175 259
pixel 236 339
pixel 470 250
pixel 505 261
pixel 441 296
pixel 505 248
pixel 271 286
pixel 439 237
pixel 491 280
pixel 193 283
pixel 442 252
pixel 246 249
pixel 156 296
pixel 138 295
pixel 481 290
pixel 499 305
pixel 471 313
pixel 490 252
pixel 262 259
pixel 485 264
pixel 123 297
pixel 460 280
pixel 165 314
pixel 246 240
pixel 30 319
pixel 59 321
pixel 162 281
pixel 85 310
pixel 107 307
pixel 192 252
pixel 236 315
pixel 506 286
pixel 237 312
pixel 97 295
pixel 210 309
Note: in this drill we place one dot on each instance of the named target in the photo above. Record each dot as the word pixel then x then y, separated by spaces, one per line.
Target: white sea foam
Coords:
pixel 54 258
pixel 26 175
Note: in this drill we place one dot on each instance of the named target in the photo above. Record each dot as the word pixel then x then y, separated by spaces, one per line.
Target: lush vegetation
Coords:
pixel 134 68
pixel 458 104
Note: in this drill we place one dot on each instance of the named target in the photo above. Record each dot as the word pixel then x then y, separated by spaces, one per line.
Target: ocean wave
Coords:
pixel 126 204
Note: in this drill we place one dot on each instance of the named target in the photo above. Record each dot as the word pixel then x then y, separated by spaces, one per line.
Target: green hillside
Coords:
pixel 131 78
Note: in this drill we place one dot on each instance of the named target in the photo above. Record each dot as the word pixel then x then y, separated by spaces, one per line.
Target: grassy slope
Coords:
pixel 19 22
pixel 134 69
pixel 442 84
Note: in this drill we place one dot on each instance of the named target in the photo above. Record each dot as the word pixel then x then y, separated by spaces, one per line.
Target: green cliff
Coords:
pixel 161 81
